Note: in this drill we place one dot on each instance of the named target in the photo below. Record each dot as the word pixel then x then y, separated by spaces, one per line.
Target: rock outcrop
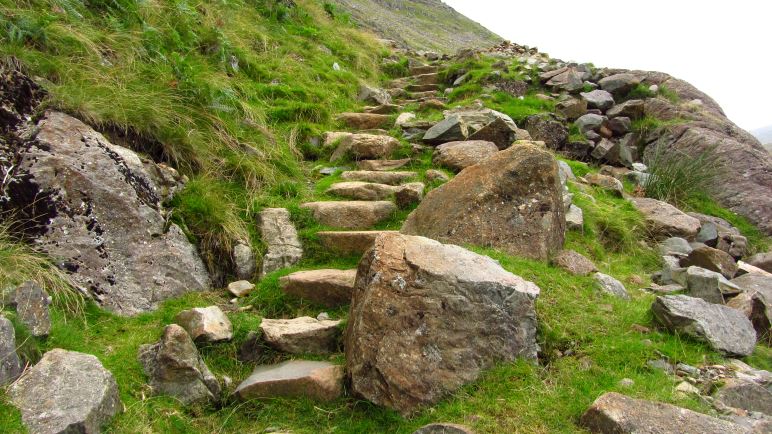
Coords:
pixel 460 155
pixel 427 317
pixel 66 392
pixel 10 365
pixel 96 207
pixel 511 201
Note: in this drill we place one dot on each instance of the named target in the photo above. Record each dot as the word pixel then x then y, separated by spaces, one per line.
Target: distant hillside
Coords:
pixel 420 24
pixel 765 136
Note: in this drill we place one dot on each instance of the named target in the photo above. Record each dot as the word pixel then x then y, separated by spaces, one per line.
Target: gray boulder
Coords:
pixel 711 259
pixel 723 328
pixel 590 122
pixel 755 301
pixel 279 234
pixel 619 84
pixel 464 313
pixel 598 99
pixel 244 261
pixel 205 324
pixel 675 246
pixel 373 95
pixel 450 129
pixel 745 395
pixel 511 201
pixel 613 413
pixel 10 365
pixel 96 207
pixel 175 368
pixel 664 220
pixel 632 109
pixel 762 260
pixel 609 285
pixel 31 304
pixel 499 131
pixel 709 285
pixel 66 392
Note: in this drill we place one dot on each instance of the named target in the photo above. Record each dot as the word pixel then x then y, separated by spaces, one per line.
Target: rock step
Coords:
pixel 424 95
pixel 422 88
pixel 329 288
pixel 304 335
pixel 321 381
pixel 405 194
pixel 351 214
pixel 382 165
pixel 423 69
pixel 383 109
pixel 364 121
pixel 432 78
pixel 391 178
pixel 349 242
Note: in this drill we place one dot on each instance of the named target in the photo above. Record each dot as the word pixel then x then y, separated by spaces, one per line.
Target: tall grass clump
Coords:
pixel 677 177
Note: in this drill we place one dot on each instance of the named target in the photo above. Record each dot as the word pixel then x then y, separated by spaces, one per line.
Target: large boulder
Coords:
pixel 373 95
pixel 96 207
pixel 598 99
pixel 460 155
pixel 664 220
pixel 723 328
pixel 66 392
pixel 175 368
pixel 746 395
pixel 450 129
pixel 511 201
pixel 762 260
pixel 613 413
pixel 10 366
pixel 499 131
pixel 281 238
pixel 427 317
pixel 707 285
pixel 619 84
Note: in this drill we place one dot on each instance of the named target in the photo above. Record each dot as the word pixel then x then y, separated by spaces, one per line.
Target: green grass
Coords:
pixel 677 177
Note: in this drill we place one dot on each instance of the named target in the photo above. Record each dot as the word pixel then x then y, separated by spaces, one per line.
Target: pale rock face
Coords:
pixel 66 392
pixel 206 324
pixel 460 155
pixel 351 214
pixel 330 288
pixel 665 220
pixel 278 232
pixel 427 318
pixel 10 366
pixel 304 335
pixel 611 286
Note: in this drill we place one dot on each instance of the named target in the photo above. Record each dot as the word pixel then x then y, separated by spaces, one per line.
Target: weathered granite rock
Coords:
pixel 609 285
pixel 279 234
pixel 96 207
pixel 745 395
pixel 460 155
pixel 614 413
pixel 304 335
pixel 373 95
pixel 427 317
pixel 762 260
pixel 329 288
pixel 205 324
pixel 176 369
pixel 574 263
pixel 443 428
pixel 364 121
pixel 31 304
pixel 723 328
pixel 450 129
pixel 711 259
pixel 675 246
pixel 241 288
pixel 665 220
pixel 575 218
pixel 433 175
pixel 365 146
pixel 10 366
pixel 348 242
pixel 499 131
pixel 351 214
pixel 632 109
pixel 321 381
pixel 391 178
pixel 358 190
pixel 755 302
pixel 244 261
pixel 409 194
pixel 619 84
pixel 548 130
pixel 598 99
pixel 66 392
pixel 382 165
pixel 512 201
pixel 571 108
pixel 708 285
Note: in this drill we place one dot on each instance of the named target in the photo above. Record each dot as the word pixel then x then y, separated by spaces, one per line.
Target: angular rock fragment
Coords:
pixel 711 259
pixel 609 285
pixel 574 263
pixel 279 234
pixel 10 365
pixel 31 304
pixel 351 214
pixel 304 335
pixel 709 285
pixel 329 288
pixel 746 395
pixel 206 324
pixel 665 220
pixel 460 155
pixel 321 381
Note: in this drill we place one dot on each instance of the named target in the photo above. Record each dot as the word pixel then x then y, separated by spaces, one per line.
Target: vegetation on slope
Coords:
pixel 239 135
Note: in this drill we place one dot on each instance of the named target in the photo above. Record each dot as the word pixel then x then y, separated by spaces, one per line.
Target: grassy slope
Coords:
pixel 592 330
pixel 421 24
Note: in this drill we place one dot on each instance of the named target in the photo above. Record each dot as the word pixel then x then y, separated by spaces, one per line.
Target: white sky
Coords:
pixel 724 48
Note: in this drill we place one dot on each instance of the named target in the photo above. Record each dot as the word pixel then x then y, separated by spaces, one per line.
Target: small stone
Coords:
pixel 574 218
pixel 661 365
pixel 640 329
pixel 436 175
pixel 606 182
pixel 626 383
pixel 611 286
pixel 687 389
pixel 240 288
pixel 304 335
pixel 206 324
pixel 688 369
pixel 323 316
pixel 574 263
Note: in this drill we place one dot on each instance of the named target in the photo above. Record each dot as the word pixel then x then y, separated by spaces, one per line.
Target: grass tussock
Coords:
pixel 677 177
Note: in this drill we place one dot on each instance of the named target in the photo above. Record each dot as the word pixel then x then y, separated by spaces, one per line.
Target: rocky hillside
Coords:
pixel 252 217
pixel 420 24
pixel 765 137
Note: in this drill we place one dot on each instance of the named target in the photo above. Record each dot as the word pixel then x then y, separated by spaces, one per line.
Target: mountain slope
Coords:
pixel 420 24
pixel 765 136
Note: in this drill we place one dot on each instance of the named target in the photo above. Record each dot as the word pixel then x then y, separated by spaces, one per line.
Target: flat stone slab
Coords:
pixel 349 242
pixel 391 178
pixel 382 165
pixel 321 381
pixel 363 121
pixel 66 392
pixel 351 214
pixel 304 335
pixel 365 146
pixel 329 288
pixel 614 413
pixel 358 190
pixel 723 328
pixel 665 220
pixel 206 324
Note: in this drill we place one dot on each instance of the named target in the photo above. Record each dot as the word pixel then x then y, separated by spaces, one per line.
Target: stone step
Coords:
pixel 358 190
pixel 364 121
pixel 383 109
pixel 391 178
pixel 304 335
pixel 351 214
pixel 382 165
pixel 349 243
pixel 433 78
pixel 422 88
pixel 399 83
pixel 321 381
pixel 423 69
pixel 329 288
pixel 424 95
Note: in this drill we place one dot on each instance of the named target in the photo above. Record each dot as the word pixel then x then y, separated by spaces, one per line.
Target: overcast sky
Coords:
pixel 722 47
